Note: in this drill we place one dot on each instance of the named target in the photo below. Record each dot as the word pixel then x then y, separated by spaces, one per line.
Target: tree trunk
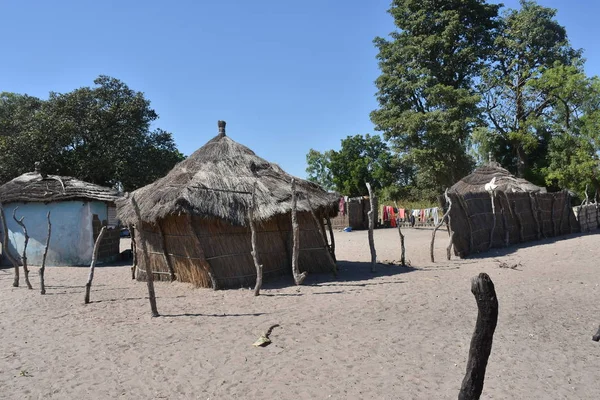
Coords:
pixel 149 273
pixel 24 256
pixel 88 285
pixel 133 251
pixel 257 265
pixel 5 248
pixel 439 224
pixel 43 267
pixel 298 277
pixel 371 227
pixel 482 288
pixel 163 244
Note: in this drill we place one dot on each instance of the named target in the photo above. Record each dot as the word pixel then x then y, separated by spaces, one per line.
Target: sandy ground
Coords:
pixel 398 333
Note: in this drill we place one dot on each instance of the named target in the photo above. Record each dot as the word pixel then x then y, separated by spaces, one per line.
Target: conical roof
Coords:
pixel 505 181
pixel 217 181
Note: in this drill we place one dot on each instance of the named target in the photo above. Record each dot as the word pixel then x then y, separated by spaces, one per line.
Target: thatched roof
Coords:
pixel 505 181
pixel 35 187
pixel 217 181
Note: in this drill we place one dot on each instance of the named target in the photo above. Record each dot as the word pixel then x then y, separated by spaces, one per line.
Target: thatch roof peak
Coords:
pixel 38 187
pixel 217 181
pixel 505 181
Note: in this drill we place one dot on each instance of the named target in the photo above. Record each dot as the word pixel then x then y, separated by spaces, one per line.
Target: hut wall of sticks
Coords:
pixel 354 213
pixel 511 211
pixel 195 219
pixel 588 216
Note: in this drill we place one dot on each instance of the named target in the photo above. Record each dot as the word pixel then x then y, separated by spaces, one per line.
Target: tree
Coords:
pixel 529 42
pixel 361 159
pixel 428 106
pixel 318 168
pixel 98 134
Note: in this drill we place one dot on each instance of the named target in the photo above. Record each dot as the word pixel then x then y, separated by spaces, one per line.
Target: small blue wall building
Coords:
pixel 77 211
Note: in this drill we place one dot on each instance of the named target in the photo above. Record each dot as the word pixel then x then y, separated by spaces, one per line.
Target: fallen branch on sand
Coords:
pixel 264 340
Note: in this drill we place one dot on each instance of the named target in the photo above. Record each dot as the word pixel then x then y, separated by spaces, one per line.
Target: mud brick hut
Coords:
pixel 77 211
pixel 194 221
pixel 521 211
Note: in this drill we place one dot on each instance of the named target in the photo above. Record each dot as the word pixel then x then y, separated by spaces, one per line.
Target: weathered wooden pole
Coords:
pixel 331 238
pixel 437 226
pixel 254 252
pixel 371 215
pixel 88 285
pixel 24 256
pixel 6 250
pixel 149 273
pixel 482 288
pixel 298 277
pixel 43 267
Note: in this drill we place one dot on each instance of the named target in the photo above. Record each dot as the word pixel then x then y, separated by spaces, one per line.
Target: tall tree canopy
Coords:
pixel 99 134
pixel 428 103
pixel 529 43
pixel 361 159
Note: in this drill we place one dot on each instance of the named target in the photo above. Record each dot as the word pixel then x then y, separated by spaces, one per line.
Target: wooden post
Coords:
pixel 298 277
pixel 43 267
pixel 437 226
pixel 331 238
pixel 371 227
pixel 149 274
pixel 257 265
pixel 24 256
pixel 133 250
pixel 205 264
pixel 5 248
pixel 482 288
pixel 596 337
pixel 450 244
pixel 88 285
pixel 163 244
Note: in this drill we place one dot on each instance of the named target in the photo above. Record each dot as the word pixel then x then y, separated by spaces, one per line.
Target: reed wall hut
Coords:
pixel 354 213
pixel 521 211
pixel 195 219
pixel 77 211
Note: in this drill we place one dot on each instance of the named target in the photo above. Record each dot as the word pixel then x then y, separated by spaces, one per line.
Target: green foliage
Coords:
pixel 361 159
pixel 428 105
pixel 99 134
pixel 530 41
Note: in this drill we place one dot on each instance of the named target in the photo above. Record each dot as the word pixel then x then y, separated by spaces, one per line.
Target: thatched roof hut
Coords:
pixel 515 211
pixel 505 181
pixel 195 218
pixel 77 209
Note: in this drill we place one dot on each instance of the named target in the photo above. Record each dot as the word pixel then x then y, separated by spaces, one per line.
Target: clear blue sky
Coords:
pixel 287 76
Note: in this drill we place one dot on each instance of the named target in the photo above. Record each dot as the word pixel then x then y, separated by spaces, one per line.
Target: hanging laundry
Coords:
pixel 384 214
pixel 342 204
pixel 401 213
pixel 392 218
pixel 436 215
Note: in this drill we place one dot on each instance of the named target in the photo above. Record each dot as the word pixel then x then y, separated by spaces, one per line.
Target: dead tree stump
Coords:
pixel 43 267
pixel 257 264
pixel 24 256
pixel 298 277
pixel 482 288
pixel 437 226
pixel 149 273
pixel 371 227
pixel 88 285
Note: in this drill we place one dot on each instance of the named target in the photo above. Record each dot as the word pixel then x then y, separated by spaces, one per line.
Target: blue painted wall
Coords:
pixel 71 241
